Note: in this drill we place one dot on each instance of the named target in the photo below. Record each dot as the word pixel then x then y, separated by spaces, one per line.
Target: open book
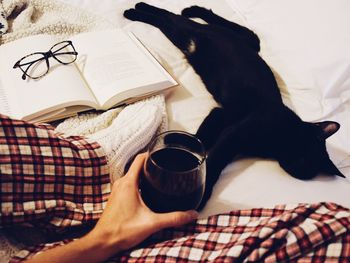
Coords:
pixel 112 68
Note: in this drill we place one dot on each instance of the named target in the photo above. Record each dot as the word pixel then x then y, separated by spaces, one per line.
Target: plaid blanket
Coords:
pixel 287 233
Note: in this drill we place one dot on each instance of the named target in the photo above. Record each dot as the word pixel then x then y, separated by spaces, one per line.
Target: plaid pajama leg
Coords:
pixel 286 233
pixel 48 178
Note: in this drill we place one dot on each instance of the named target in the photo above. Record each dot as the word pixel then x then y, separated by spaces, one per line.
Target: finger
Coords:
pixel 136 167
pixel 175 219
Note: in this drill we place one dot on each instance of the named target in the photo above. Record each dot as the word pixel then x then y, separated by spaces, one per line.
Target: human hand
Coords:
pixel 126 220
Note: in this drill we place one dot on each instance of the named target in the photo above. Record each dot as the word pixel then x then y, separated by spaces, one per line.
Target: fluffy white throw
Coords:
pixel 21 18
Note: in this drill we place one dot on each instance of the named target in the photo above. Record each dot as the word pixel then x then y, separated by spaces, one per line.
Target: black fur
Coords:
pixel 252 119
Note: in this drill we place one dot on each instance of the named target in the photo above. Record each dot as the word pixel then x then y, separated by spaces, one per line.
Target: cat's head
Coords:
pixel 309 156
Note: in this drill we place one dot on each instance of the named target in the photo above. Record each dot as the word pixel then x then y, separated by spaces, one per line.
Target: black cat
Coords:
pixel 252 119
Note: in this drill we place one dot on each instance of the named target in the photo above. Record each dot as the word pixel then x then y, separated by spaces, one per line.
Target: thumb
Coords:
pixel 175 219
pixel 136 167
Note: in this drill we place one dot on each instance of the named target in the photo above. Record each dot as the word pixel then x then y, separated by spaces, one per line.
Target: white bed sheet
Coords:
pixel 307 45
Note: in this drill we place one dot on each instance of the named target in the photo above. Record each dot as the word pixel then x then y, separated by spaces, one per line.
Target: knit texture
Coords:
pixel 122 133
pixel 88 123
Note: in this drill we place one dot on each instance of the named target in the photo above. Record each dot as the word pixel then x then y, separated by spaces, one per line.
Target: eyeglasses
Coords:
pixel 37 64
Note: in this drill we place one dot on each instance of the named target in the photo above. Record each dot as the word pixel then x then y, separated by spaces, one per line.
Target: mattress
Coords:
pixel 307 46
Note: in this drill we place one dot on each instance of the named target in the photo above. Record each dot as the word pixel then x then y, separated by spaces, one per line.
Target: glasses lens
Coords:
pixel 64 52
pixel 34 65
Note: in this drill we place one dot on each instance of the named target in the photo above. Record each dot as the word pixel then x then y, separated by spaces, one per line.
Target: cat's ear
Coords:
pixel 327 128
pixel 330 168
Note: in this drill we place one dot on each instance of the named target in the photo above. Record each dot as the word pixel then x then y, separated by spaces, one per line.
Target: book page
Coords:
pixel 62 86
pixel 113 64
pixel 4 102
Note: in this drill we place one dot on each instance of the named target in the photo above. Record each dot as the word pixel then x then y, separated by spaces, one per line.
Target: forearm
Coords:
pixel 90 248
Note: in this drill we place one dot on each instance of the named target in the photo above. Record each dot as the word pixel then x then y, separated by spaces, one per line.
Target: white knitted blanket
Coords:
pixel 21 18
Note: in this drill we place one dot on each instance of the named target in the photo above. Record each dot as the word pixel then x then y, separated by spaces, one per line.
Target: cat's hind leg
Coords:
pixel 178 29
pixel 147 13
pixel 151 9
pixel 211 18
pixel 142 16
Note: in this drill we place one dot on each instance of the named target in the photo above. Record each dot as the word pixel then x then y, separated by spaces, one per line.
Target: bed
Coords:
pixel 306 43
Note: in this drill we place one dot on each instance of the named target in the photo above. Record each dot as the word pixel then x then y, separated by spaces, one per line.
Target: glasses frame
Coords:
pixel 46 56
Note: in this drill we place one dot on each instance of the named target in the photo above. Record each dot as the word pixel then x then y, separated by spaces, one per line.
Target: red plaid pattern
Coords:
pixel 48 178
pixel 302 233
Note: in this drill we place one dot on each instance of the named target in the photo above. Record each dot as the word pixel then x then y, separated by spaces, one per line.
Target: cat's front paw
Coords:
pixel 213 171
